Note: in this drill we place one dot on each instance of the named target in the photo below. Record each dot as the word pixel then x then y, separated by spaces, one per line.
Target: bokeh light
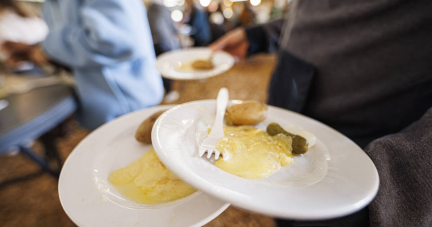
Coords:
pixel 205 3
pixel 255 2
pixel 228 13
pixel 176 15
pixel 217 18
pixel 227 3
pixel 169 3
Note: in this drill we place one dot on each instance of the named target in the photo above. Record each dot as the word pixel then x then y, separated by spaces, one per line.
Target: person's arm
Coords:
pixel 245 41
pixel 106 35
pixel 264 38
pixel 404 163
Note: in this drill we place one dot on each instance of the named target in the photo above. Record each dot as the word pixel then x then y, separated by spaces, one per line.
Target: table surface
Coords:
pixel 31 114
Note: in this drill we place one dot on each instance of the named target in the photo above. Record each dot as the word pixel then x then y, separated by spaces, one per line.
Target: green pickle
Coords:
pixel 299 144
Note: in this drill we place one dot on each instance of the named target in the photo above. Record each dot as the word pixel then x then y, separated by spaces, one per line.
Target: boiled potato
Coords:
pixel 202 64
pixel 143 133
pixel 246 113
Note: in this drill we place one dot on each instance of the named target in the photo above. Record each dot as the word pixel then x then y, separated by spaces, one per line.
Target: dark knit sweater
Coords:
pixel 371 59
pixel 365 69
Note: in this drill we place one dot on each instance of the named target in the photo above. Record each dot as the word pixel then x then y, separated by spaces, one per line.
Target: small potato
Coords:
pixel 143 133
pixel 202 65
pixel 246 113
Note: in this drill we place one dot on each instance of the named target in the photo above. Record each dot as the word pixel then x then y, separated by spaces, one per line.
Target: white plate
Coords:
pixel 333 179
pixel 167 63
pixel 89 200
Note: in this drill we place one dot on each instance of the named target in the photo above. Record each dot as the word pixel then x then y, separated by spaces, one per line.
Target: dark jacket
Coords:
pixel 362 67
pixel 365 69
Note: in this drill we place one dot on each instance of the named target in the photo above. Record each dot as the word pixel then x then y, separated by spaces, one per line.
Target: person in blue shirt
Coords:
pixel 197 18
pixel 109 47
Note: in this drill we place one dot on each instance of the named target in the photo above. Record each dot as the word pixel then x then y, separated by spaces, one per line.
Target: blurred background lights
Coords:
pixel 217 18
pixel 228 13
pixel 176 15
pixel 255 2
pixel 205 3
pixel 181 2
pixel 227 3
pixel 170 3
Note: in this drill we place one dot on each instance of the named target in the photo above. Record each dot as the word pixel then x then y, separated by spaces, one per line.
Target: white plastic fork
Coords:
pixel 217 131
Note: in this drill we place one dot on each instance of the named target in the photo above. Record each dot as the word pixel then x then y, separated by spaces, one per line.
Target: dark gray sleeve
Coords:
pixel 264 38
pixel 404 163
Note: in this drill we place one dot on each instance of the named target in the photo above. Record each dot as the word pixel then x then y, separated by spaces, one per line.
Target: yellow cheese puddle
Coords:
pixel 252 153
pixel 148 181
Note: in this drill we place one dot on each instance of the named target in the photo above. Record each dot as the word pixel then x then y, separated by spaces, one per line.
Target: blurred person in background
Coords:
pixel 108 45
pixel 20 29
pixel 198 18
pixel 216 20
pixel 164 31
pixel 363 68
pixel 247 16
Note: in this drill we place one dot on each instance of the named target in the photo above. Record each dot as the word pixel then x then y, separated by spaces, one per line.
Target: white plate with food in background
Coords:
pixel 333 179
pixel 90 200
pixel 177 64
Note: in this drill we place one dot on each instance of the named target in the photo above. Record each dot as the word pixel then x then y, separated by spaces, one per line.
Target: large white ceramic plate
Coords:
pixel 89 200
pixel 167 63
pixel 333 179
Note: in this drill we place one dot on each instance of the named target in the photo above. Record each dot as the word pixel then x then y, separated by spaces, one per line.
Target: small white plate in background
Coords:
pixel 168 63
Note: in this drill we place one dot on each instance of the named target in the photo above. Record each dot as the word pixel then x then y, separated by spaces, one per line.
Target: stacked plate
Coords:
pixel 333 179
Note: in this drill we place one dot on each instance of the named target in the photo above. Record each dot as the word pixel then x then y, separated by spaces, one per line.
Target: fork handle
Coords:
pixel 221 105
